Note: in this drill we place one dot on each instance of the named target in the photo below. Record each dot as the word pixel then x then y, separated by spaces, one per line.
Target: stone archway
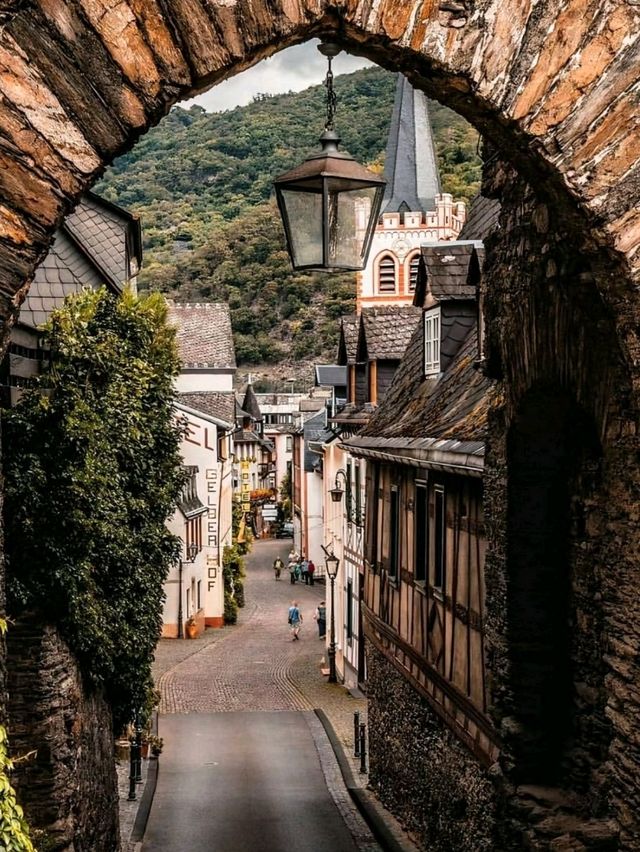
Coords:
pixel 549 87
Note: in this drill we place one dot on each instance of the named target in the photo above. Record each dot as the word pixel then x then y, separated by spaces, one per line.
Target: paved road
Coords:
pixel 232 782
pixel 246 765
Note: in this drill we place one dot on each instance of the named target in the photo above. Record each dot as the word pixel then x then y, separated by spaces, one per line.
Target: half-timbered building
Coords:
pixel 371 349
pixel 424 584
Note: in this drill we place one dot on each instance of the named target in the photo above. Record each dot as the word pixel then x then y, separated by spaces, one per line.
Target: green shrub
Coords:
pixel 93 473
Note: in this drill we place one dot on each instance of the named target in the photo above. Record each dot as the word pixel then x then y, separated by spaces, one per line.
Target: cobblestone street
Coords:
pixel 254 665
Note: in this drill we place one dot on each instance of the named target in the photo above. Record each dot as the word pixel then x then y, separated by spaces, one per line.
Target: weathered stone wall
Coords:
pixel 69 788
pixel 421 772
pixel 550 330
pixel 565 391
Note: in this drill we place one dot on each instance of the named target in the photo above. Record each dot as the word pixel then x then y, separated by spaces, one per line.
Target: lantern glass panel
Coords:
pixel 348 219
pixel 303 211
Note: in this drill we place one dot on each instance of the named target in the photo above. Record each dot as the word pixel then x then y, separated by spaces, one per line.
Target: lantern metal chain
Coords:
pixel 331 97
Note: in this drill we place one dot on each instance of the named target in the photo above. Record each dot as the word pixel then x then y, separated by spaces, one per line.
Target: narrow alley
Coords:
pixel 247 763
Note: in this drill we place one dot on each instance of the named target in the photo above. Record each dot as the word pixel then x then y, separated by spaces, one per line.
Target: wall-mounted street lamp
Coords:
pixel 332 563
pixel 337 491
pixel 330 203
pixel 192 552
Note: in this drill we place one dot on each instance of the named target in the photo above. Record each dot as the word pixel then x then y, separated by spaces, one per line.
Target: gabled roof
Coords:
pixel 385 332
pixel 348 346
pixel 333 375
pixel 482 218
pixel 250 403
pixel 221 406
pixel 411 167
pixel 453 407
pixel 109 234
pixel 93 248
pixel 449 271
pixel 204 335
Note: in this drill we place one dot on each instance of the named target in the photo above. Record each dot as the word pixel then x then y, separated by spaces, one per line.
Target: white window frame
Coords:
pixel 432 342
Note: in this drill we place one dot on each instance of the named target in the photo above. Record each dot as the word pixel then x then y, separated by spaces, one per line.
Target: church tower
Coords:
pixel 414 211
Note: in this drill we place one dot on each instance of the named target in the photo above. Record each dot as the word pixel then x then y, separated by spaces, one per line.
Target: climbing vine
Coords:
pixel 93 473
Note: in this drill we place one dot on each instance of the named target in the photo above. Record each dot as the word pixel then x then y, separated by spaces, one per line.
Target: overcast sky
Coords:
pixel 289 70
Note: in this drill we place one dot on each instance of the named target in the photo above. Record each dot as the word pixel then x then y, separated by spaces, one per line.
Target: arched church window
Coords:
pixel 414 262
pixel 387 274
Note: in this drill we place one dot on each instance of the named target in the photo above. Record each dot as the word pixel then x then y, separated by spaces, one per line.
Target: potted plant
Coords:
pixel 156 745
pixel 191 628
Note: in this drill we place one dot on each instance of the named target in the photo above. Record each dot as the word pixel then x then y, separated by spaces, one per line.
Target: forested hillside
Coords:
pixel 202 184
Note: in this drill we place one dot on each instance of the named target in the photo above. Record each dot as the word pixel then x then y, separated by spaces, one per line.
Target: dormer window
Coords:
pixel 432 342
pixel 414 263
pixel 387 274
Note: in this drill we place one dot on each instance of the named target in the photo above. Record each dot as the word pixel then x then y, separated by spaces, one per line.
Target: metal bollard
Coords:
pixel 132 771
pixel 363 747
pixel 138 752
pixel 356 734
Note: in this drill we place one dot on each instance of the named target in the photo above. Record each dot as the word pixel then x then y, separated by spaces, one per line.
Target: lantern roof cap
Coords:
pixel 330 162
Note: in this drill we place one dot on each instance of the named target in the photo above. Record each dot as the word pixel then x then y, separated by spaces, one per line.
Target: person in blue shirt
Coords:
pixel 295 620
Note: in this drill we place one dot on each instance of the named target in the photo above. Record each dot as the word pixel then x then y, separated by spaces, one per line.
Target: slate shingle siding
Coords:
pixel 456 321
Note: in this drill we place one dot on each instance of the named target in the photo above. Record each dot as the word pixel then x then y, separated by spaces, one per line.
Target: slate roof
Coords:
pixel 101 229
pixel 204 335
pixel 482 218
pixel 348 346
pixel 385 332
pixel 91 249
pixel 452 271
pixel 411 166
pixel 213 403
pixel 452 407
pixel 442 417
pixel 250 403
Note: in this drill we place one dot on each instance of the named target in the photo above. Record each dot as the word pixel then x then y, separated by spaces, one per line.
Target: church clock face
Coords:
pixel 401 249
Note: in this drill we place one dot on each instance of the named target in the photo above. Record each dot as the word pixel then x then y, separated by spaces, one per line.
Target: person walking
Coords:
pixel 321 619
pixel 298 568
pixel 295 620
pixel 304 571
pixel 278 565
pixel 311 568
pixel 293 569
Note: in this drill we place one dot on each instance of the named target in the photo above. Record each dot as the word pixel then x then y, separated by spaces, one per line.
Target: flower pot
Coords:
pixel 191 631
pixel 144 750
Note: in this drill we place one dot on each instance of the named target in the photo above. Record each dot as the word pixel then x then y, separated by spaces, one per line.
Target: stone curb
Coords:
pixel 146 800
pixel 372 812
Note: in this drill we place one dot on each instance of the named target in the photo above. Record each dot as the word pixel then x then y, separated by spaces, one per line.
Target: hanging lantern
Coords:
pixel 330 203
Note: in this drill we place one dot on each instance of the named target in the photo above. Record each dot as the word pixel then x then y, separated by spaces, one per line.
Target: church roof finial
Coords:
pixel 411 167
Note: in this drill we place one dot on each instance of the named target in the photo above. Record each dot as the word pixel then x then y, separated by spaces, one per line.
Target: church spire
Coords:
pixel 411 168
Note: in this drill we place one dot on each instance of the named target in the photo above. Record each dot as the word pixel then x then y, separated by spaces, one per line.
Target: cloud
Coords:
pixel 291 70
